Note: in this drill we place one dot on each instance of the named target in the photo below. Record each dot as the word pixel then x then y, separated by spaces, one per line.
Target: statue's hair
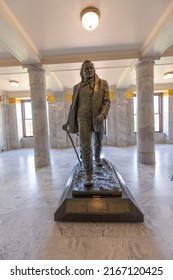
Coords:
pixel 85 62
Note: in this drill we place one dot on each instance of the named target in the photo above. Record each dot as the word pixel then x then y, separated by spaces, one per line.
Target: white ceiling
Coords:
pixel 50 33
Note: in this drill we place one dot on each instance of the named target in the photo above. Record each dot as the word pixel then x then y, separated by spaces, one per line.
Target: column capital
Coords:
pixel 36 74
pixel 34 68
pixel 145 61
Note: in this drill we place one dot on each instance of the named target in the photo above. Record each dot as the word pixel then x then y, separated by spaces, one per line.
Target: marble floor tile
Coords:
pixel 29 198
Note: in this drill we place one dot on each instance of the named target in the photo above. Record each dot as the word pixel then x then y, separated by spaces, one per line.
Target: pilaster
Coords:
pixel 121 117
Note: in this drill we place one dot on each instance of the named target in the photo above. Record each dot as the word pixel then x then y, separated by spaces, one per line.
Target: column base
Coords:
pixel 42 161
pixel 146 158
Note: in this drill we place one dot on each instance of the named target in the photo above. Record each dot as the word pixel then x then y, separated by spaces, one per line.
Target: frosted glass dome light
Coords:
pixel 90 18
pixel 14 83
pixel 168 75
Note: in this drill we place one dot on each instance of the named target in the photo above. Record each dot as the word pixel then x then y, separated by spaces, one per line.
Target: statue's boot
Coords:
pixel 88 181
pixel 98 161
pixel 88 168
pixel 97 153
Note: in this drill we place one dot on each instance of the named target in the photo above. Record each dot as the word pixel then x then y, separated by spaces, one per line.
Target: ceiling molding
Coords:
pixel 157 87
pixel 59 85
pixel 99 56
pixel 12 61
pixel 168 52
pixel 14 38
pixel 160 37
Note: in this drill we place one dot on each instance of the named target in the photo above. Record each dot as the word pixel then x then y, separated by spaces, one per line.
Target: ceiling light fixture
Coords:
pixel 14 83
pixel 168 75
pixel 90 18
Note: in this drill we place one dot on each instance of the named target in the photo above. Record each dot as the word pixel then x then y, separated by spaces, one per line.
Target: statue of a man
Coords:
pixel 89 108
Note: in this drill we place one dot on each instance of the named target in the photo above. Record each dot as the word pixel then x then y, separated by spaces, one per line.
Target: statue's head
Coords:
pixel 87 70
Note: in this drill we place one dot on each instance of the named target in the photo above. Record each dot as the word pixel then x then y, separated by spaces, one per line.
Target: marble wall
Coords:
pixel 112 124
pixel 2 136
pixel 131 136
pixel 119 124
pixel 121 118
pixel 11 125
pixel 8 125
pixel 57 117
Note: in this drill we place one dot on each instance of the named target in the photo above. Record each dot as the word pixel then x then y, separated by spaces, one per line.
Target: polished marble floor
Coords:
pixel 29 198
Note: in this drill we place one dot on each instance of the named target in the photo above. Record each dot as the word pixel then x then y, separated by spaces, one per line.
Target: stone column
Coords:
pixel 145 111
pixel 39 115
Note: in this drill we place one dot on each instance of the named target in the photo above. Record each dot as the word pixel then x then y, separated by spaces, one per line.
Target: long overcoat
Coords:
pixel 100 105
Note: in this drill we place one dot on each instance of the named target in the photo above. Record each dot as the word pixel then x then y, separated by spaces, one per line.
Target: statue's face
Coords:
pixel 88 71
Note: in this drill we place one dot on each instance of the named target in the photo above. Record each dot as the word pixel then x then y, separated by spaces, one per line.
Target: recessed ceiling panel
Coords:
pixel 55 25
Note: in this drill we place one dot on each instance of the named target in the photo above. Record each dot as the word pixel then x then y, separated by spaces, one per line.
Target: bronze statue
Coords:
pixel 89 108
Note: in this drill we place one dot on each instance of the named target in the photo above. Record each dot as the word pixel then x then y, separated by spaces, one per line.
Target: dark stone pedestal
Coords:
pixel 97 203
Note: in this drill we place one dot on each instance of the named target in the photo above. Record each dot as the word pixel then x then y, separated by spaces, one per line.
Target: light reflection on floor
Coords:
pixel 29 198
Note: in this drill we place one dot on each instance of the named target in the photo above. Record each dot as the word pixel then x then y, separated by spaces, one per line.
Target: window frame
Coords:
pixel 24 118
pixel 160 112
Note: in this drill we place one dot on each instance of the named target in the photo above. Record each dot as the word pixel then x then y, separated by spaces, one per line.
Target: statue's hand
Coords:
pixel 99 119
pixel 65 126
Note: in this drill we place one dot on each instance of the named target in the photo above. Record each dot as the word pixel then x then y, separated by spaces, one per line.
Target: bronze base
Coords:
pixel 105 183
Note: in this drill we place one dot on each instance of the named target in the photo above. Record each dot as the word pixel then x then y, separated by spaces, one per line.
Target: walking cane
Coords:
pixel 74 146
